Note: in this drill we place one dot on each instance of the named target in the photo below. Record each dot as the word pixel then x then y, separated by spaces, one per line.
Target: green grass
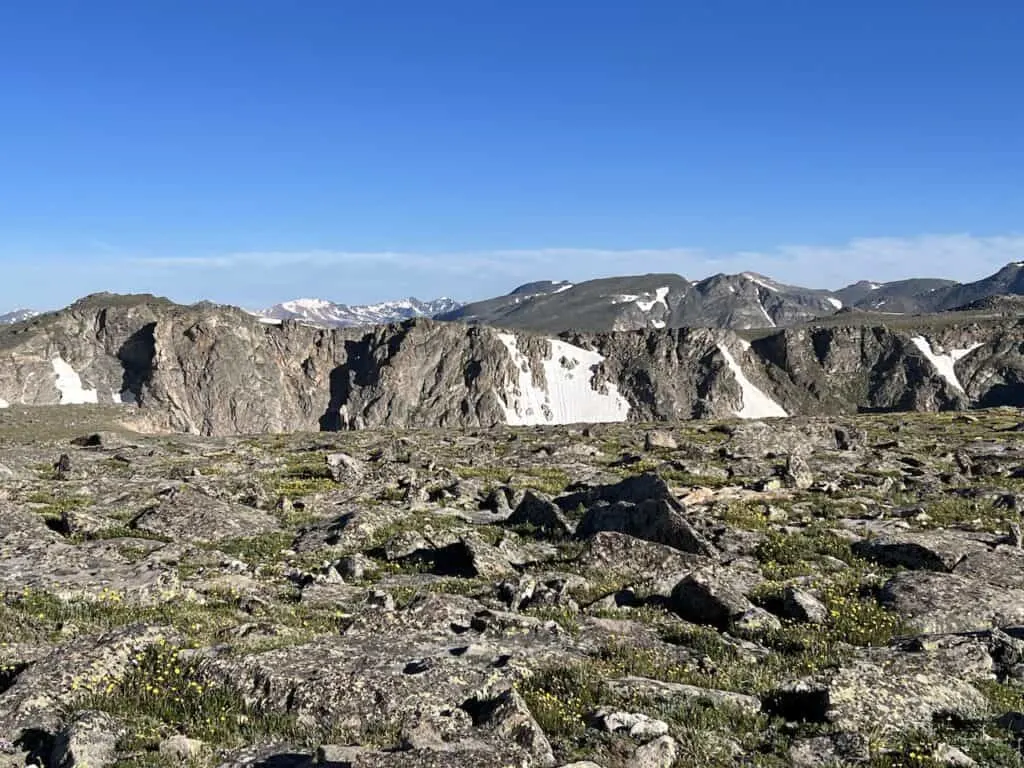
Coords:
pixel 165 691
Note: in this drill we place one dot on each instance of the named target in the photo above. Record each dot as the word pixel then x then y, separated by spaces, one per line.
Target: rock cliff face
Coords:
pixel 215 370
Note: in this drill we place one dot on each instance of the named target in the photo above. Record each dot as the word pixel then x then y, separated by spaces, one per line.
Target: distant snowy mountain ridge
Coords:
pixel 17 316
pixel 327 313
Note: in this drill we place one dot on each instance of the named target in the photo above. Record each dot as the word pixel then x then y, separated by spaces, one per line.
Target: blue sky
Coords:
pixel 251 151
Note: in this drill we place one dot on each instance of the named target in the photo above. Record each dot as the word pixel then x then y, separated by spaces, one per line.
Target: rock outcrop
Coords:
pixel 217 370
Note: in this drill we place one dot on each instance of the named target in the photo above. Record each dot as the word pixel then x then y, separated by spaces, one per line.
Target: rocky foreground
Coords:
pixel 787 593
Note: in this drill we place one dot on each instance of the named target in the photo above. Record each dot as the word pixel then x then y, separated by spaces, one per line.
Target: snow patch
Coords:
pixel 759 281
pixel 944 364
pixel 125 397
pixel 569 398
pixel 565 287
pixel 658 323
pixel 659 298
pixel 756 404
pixel 4 403
pixel 766 315
pixel 69 384
pixel 624 298
pixel 835 302
pixel 270 321
pixel 308 305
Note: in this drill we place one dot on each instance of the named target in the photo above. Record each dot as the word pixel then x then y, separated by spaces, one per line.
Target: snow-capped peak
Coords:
pixel 17 316
pixel 328 313
pixel 298 306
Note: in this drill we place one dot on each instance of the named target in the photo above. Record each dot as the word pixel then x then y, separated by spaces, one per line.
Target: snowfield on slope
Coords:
pixel 756 404
pixel 944 364
pixel 569 397
pixel 69 384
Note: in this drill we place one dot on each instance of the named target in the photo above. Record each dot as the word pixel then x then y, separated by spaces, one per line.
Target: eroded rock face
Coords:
pixel 218 371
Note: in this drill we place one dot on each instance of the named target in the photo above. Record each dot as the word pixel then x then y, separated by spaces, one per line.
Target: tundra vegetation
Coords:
pixel 801 592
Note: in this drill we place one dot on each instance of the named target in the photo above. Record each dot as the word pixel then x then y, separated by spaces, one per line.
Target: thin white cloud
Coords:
pixel 956 256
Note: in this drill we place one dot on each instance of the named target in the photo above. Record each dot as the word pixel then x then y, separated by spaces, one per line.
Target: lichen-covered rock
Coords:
pixel 926 550
pixel 940 602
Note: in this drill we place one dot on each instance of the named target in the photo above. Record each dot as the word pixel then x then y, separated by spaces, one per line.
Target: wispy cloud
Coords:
pixel 956 256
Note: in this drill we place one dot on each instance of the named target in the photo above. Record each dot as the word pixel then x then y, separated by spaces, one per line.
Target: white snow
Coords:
pixel 309 305
pixel 835 302
pixel 766 315
pixel 270 321
pixel 944 364
pixel 125 397
pixel 69 384
pixel 569 398
pixel 624 298
pixel 565 287
pixel 658 323
pixel 659 298
pixel 756 404
pixel 4 403
pixel 875 286
pixel 755 279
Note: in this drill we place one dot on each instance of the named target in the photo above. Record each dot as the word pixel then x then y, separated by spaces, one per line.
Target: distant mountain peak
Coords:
pixel 17 316
pixel 330 314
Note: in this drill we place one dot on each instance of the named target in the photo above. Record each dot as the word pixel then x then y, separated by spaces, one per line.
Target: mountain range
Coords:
pixel 744 301
pixel 331 315
pixel 218 370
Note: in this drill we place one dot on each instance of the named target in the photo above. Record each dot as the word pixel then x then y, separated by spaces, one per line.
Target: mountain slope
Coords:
pixel 331 315
pixel 217 370
pixel 655 301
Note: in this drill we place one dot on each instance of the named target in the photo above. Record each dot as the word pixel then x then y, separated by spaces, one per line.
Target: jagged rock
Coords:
pixel 182 749
pixel 755 620
pixel 655 521
pixel 40 695
pixel 953 757
pixel 926 550
pixel 538 511
pixel 679 694
pixel 185 514
pixel 707 596
pixel 1007 653
pixel 660 439
pixel 88 741
pixel 86 523
pixel 798 473
pixel 62 468
pixel 831 750
pixel 800 605
pixel 628 558
pixel 441 651
pixel 1002 566
pixel 660 753
pixel 507 719
pixel 939 602
pixel 888 691
pixel 642 507
pixel 345 468
pixel 636 725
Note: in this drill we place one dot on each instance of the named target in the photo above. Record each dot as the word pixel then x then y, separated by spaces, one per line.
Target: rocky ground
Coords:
pixel 790 593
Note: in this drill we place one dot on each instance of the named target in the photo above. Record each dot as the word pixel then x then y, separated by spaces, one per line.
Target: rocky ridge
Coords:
pixel 218 371
pixel 804 593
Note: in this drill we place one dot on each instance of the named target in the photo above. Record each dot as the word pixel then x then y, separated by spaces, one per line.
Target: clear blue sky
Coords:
pixel 257 150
